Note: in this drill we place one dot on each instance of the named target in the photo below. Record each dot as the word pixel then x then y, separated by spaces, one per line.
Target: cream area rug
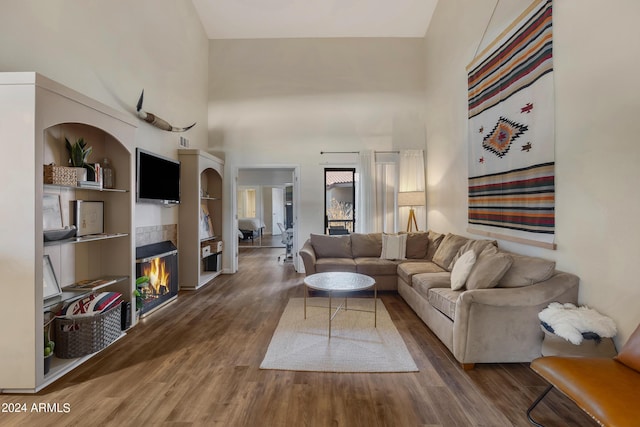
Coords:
pixel 355 344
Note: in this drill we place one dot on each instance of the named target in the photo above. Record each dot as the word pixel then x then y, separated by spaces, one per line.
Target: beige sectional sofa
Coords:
pixel 494 316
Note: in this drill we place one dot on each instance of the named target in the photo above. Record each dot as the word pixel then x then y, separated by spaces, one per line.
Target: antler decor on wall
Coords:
pixel 157 121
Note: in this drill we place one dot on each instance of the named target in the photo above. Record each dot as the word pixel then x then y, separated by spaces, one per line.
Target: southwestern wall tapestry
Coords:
pixel 511 131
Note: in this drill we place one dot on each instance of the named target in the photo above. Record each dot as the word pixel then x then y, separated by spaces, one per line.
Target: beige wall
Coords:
pixel 110 51
pixel 596 61
pixel 281 102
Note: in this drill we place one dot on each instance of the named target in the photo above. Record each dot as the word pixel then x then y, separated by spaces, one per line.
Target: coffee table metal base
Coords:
pixel 341 282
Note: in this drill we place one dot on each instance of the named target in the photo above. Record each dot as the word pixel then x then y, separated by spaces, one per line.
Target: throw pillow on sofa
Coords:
pixel 417 245
pixel 331 246
pixel 366 245
pixel 434 242
pixel 476 245
pixel 394 246
pixel 448 249
pixel 526 270
pixel 461 270
pixel 489 268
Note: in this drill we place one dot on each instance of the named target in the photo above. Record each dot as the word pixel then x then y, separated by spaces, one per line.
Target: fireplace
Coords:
pixel 159 262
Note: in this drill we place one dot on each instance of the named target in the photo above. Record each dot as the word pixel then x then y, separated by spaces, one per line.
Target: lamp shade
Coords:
pixel 411 198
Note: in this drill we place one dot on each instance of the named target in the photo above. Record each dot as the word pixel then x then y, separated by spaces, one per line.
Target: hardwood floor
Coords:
pixel 196 362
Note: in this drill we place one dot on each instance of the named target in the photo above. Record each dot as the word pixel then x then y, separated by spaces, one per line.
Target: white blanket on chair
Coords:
pixel 569 321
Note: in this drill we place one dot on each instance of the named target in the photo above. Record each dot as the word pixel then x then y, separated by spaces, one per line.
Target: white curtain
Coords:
pixel 366 197
pixel 411 178
pixel 386 183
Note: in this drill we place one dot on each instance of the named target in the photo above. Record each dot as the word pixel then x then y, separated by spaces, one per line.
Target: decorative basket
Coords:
pixel 60 175
pixel 85 335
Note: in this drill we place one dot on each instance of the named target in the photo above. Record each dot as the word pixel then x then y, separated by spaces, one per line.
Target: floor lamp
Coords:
pixel 411 199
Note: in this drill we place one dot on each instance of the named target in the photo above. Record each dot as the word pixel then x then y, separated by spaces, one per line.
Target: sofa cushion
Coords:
pixel 461 269
pixel 444 300
pixel 489 268
pixel 324 265
pixel 394 246
pixel 366 245
pixel 331 246
pixel 376 266
pixel 417 245
pixel 434 242
pixel 407 270
pixel 477 246
pixel 526 270
pixel 425 281
pixel 448 249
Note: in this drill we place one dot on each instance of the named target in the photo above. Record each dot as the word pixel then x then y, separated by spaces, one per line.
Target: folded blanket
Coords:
pixel 570 322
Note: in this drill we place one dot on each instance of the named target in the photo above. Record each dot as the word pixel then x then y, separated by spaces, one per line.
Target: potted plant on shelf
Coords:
pixel 78 155
pixel 139 292
pixel 49 345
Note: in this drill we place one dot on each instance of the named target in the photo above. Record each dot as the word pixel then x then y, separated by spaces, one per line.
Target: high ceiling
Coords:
pixel 264 19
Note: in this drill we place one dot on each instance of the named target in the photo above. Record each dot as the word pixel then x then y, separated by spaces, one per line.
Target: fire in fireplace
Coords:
pixel 159 262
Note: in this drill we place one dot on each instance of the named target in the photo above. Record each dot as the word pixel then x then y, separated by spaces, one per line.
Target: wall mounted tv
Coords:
pixel 157 178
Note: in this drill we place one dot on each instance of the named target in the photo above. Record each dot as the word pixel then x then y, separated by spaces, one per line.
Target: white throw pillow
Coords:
pixel 461 270
pixel 394 246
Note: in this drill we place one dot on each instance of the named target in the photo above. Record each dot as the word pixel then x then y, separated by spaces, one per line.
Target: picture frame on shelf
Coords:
pixel 51 212
pixel 88 217
pixel 50 286
pixel 206 225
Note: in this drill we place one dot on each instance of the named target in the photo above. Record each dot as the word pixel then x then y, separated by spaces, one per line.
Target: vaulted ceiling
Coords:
pixel 263 19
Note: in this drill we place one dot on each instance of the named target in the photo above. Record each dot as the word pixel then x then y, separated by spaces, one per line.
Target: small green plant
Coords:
pixel 79 153
pixel 49 345
pixel 140 282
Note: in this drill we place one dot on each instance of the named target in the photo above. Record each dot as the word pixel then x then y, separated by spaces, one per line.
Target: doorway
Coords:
pixel 265 199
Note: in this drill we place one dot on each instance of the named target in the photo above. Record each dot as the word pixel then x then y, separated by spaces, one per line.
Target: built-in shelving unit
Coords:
pixel 36 114
pixel 200 226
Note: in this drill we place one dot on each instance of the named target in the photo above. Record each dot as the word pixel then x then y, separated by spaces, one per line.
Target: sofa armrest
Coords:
pixel 308 257
pixel 532 295
pixel 502 325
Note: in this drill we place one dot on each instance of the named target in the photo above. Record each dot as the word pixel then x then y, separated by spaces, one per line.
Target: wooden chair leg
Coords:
pixel 534 404
pixel 468 366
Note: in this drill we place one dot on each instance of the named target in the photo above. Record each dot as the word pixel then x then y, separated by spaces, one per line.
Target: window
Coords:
pixel 247 202
pixel 339 200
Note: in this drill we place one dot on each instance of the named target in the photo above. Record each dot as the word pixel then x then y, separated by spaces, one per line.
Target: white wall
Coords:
pixel 596 58
pixel 110 51
pixel 281 102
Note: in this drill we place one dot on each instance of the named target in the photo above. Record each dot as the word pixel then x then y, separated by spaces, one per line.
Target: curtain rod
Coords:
pixel 357 152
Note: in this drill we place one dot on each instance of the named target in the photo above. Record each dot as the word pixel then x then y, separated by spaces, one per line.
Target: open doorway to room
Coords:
pixel 265 210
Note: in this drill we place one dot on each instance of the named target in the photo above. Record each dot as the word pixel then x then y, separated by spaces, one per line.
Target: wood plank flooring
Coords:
pixel 196 363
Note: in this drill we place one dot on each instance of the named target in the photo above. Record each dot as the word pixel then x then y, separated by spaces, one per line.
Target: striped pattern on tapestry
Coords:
pixel 518 63
pixel 521 199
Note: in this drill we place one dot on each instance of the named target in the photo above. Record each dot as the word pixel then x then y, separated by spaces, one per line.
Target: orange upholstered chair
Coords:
pixel 606 389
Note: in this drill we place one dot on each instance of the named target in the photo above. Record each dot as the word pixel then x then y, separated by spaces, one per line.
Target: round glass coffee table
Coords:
pixel 341 282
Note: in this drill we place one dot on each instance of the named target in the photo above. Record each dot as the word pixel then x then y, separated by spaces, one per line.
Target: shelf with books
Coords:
pixel 93 284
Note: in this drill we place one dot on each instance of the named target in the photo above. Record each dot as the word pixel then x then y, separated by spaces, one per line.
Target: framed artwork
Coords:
pixel 206 225
pixel 88 217
pixel 50 285
pixel 51 212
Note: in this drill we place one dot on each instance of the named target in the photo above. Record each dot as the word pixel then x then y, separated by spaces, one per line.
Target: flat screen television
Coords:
pixel 157 178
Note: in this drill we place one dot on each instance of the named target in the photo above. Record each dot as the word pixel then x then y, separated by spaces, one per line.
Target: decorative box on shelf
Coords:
pixel 60 175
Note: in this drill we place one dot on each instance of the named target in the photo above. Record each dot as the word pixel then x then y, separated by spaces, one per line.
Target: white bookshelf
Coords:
pixel 200 184
pixel 36 114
